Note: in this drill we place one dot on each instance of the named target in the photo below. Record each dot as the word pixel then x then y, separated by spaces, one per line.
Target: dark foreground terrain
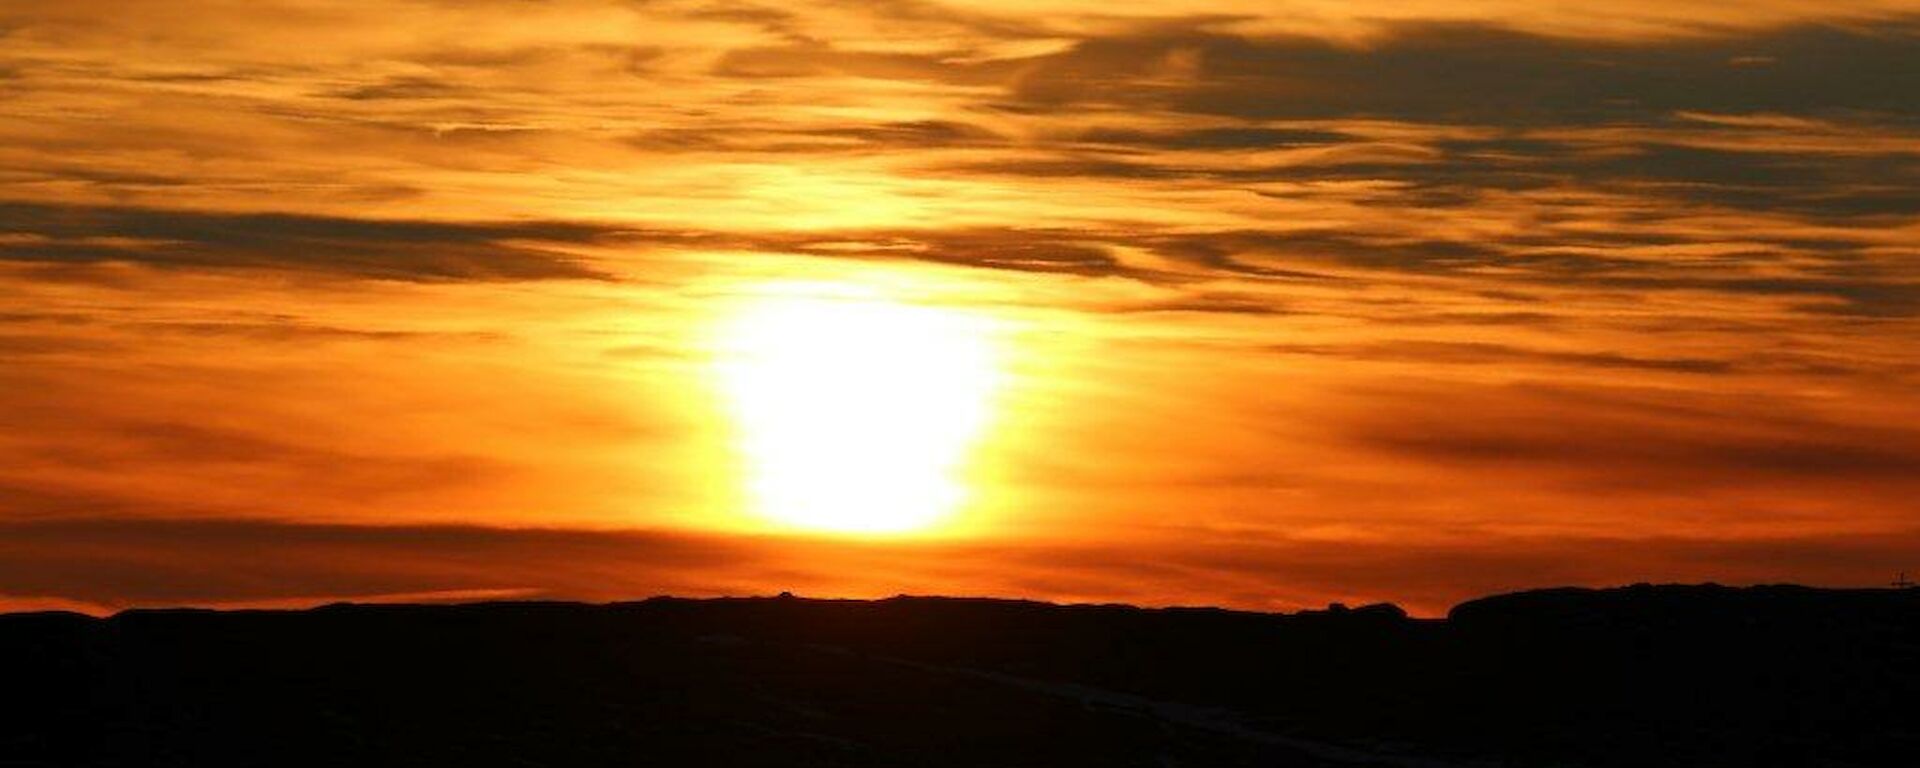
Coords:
pixel 1641 676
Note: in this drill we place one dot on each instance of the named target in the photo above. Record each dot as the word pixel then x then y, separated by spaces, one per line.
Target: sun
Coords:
pixel 855 412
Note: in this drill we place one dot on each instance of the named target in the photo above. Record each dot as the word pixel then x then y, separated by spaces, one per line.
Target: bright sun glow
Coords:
pixel 856 412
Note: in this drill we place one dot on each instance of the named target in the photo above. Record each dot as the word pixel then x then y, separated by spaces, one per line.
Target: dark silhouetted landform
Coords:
pixel 1639 676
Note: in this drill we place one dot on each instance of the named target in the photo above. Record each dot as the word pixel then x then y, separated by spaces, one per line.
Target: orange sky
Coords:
pixel 1267 303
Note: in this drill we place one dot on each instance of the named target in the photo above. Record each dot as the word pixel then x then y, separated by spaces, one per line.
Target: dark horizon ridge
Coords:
pixel 1681 675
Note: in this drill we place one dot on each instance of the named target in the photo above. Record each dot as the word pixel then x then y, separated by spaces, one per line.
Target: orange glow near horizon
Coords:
pixel 855 412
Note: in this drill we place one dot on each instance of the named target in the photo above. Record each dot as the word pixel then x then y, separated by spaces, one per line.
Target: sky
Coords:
pixel 1256 304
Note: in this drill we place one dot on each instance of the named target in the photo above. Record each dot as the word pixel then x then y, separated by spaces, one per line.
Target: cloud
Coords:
pixel 1486 353
pixel 367 248
pixel 109 463
pixel 1223 138
pixel 1641 443
pixel 1480 73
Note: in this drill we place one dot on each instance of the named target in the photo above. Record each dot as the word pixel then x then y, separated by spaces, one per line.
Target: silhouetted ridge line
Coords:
pixel 1636 676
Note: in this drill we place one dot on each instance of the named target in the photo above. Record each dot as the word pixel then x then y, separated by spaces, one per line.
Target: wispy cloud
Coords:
pixel 401 250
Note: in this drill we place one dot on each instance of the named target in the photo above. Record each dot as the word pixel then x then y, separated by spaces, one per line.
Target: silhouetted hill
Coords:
pixel 1640 676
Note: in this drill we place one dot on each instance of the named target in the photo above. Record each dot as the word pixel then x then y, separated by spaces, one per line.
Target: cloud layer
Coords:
pixel 1301 291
